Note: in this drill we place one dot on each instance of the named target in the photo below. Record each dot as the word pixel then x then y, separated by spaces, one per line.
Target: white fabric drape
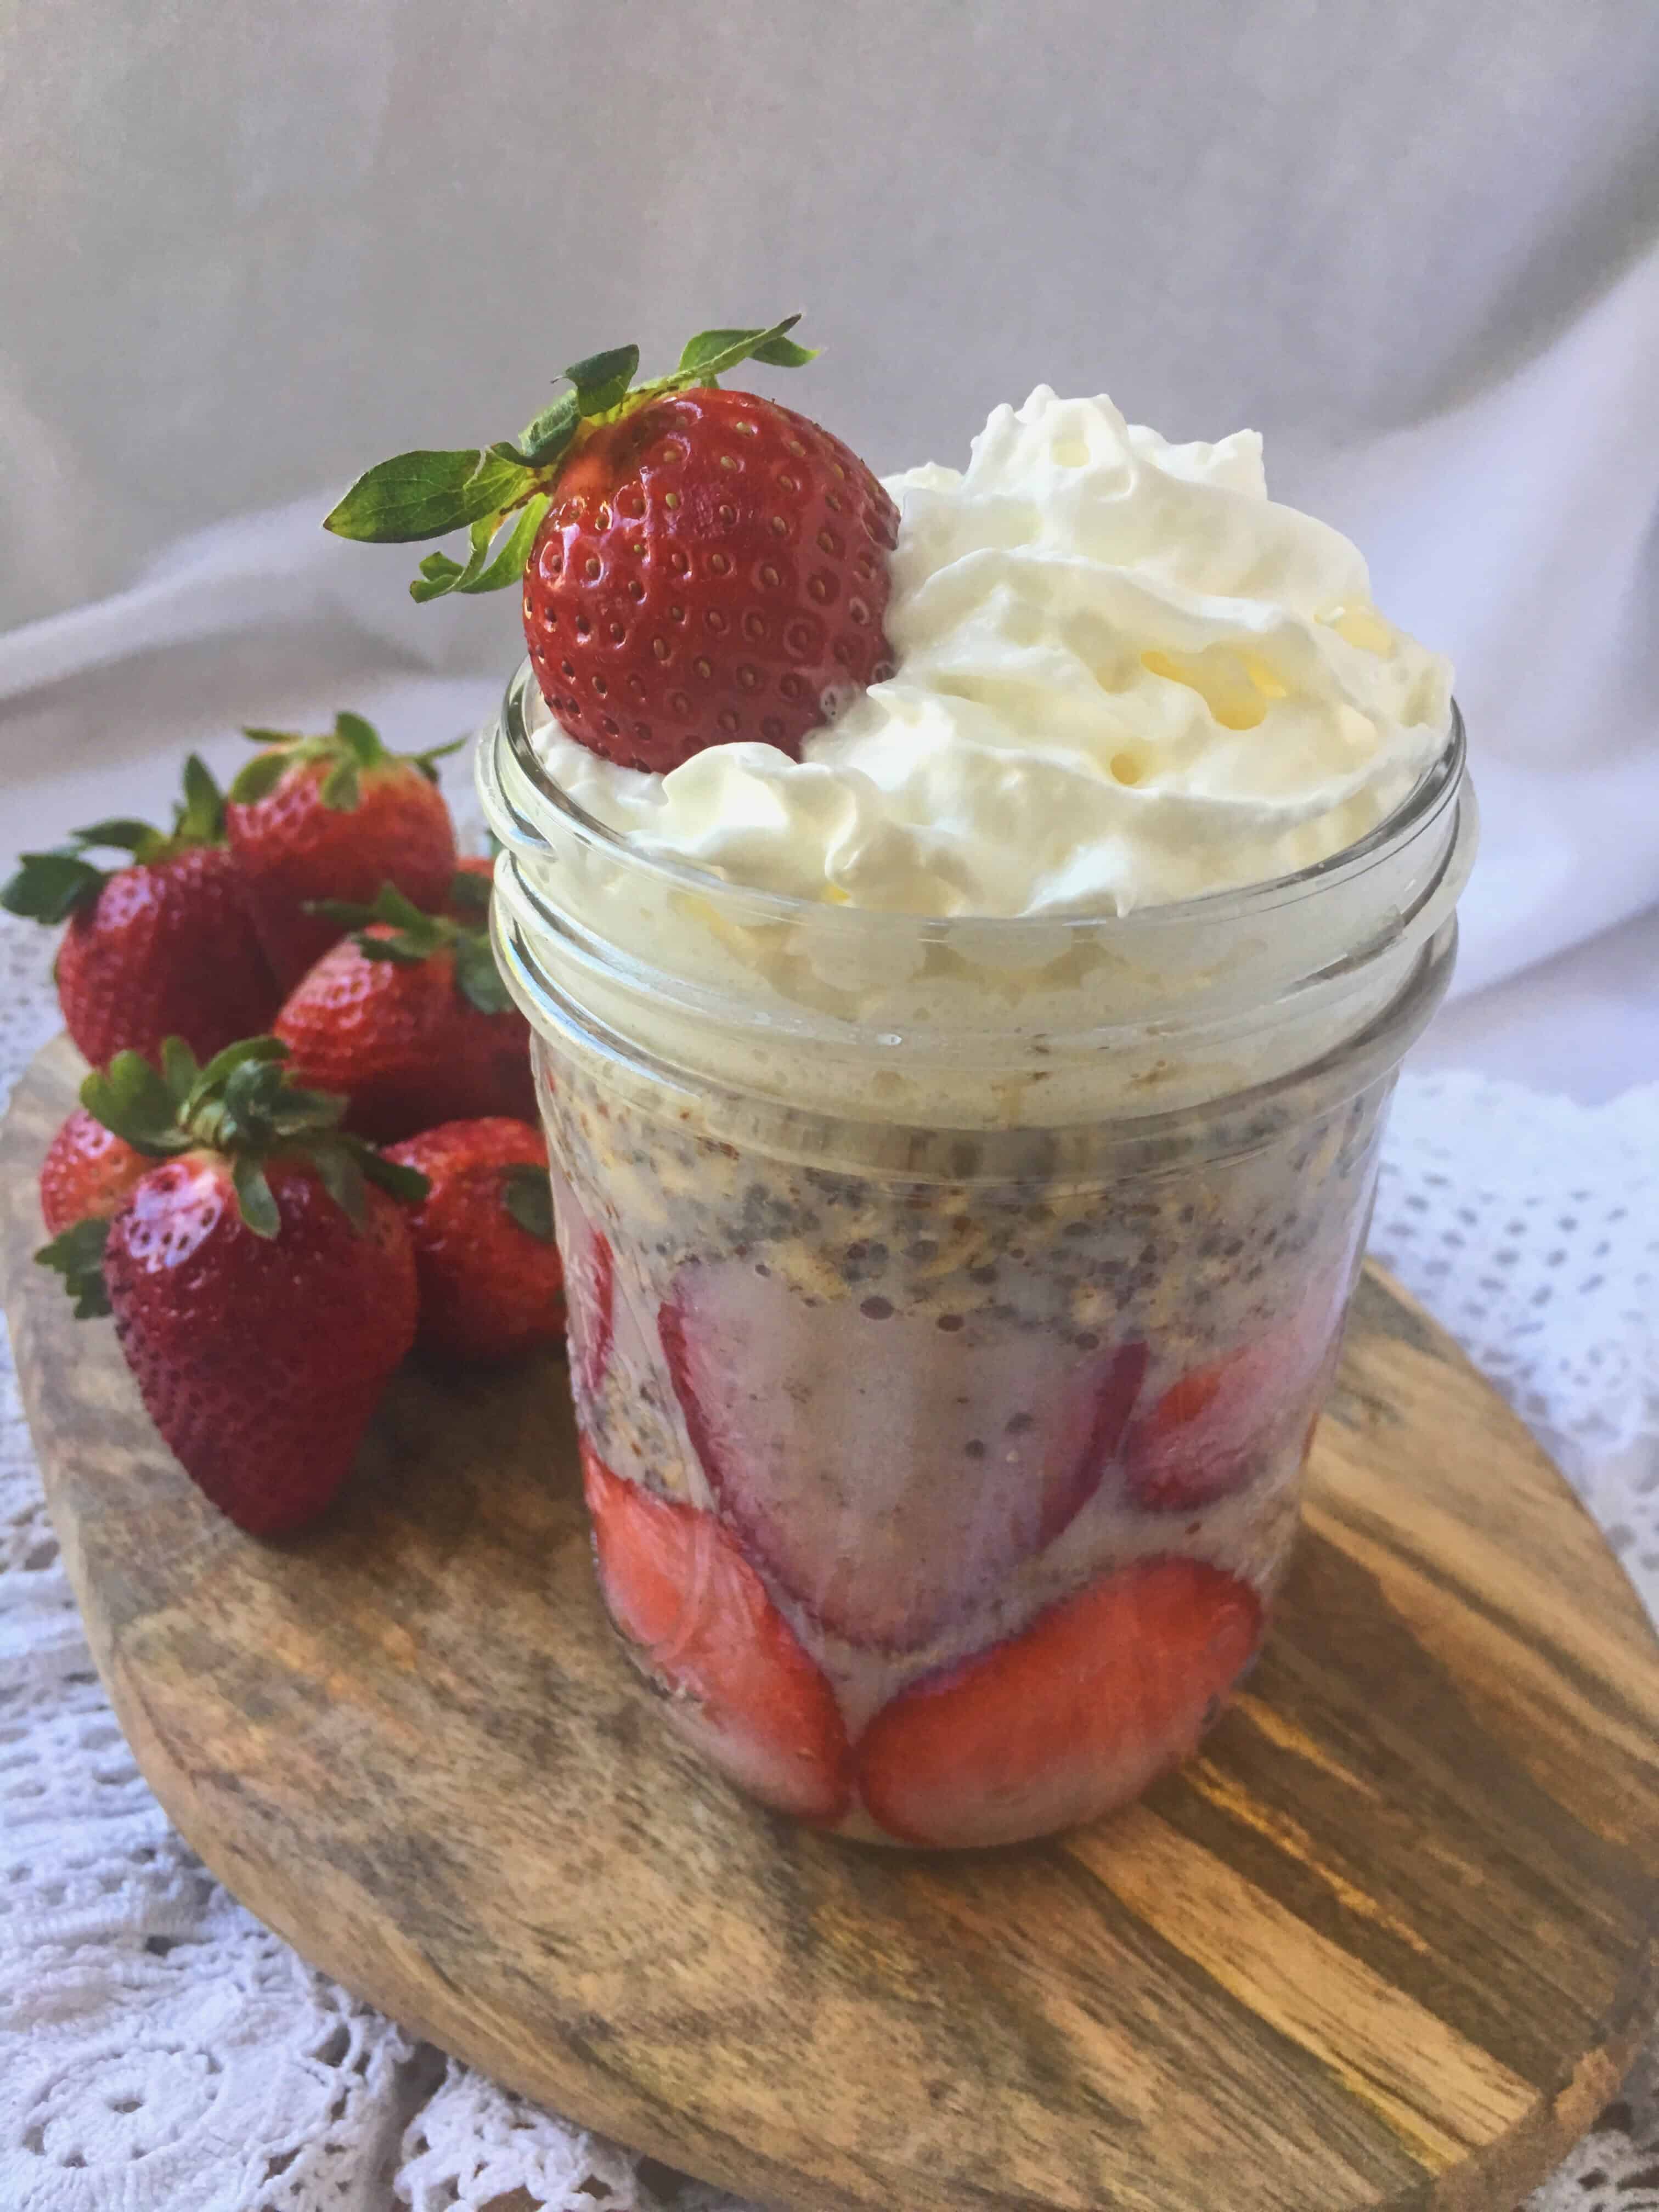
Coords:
pixel 245 251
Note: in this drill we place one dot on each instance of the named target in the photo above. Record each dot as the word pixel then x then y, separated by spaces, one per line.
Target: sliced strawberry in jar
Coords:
pixel 678 1588
pixel 886 1471
pixel 1217 1426
pixel 589 1288
pixel 1066 1721
pixel 1203 1438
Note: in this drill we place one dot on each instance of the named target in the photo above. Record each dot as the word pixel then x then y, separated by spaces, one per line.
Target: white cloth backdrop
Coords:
pixel 244 251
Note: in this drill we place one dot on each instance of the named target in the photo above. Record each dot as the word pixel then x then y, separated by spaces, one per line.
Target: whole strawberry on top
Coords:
pixel 485 1256
pixel 700 566
pixel 334 818
pixel 163 946
pixel 408 1016
pixel 260 1274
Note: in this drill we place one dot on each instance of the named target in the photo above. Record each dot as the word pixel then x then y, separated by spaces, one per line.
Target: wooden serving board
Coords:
pixel 1388 1941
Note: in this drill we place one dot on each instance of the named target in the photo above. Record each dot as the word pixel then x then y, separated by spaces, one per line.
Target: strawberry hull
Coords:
pixel 1008 1470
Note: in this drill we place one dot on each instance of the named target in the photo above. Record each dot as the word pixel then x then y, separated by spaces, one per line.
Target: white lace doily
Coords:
pixel 161 2051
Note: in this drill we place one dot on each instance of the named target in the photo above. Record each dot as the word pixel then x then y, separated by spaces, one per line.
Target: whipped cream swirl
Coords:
pixel 1125 677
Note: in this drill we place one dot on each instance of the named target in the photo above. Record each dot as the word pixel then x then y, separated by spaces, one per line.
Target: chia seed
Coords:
pixel 1204 1251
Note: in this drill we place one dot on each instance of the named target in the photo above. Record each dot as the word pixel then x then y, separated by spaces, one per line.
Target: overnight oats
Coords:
pixel 969 970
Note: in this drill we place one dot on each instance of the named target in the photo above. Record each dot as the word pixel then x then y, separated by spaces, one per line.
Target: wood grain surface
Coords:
pixel 1388 1941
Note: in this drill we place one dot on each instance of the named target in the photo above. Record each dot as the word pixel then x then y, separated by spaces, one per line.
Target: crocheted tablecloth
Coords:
pixel 159 2048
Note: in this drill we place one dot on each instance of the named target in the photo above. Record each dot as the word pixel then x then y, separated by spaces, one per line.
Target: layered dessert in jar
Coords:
pixel 971 927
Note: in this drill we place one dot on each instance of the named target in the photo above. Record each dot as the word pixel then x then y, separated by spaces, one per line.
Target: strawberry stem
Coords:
pixel 243 1106
pixel 527 1194
pixel 77 1254
pixel 394 928
pixel 351 749
pixel 428 494
pixel 51 886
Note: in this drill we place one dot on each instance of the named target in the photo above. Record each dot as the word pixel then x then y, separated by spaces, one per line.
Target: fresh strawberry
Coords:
pixel 485 1250
pixel 1071 1718
pixel 679 1589
pixel 165 947
pixel 590 1290
pixel 886 1472
pixel 409 1017
pixel 1215 1428
pixel 263 1290
pixel 89 1173
pixel 700 566
pixel 314 819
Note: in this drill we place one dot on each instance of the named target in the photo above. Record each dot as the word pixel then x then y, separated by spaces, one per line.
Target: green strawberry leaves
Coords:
pixel 51 886
pixel 351 750
pixel 711 353
pixel 179 1069
pixel 411 937
pixel 470 894
pixel 346 1164
pixel 140 1105
pixel 479 489
pixel 476 976
pixel 255 1201
pixel 439 574
pixel 360 738
pixel 77 1254
pixel 243 1105
pixel 200 820
pixel 342 788
pixel 527 1194
pixel 121 833
pixel 426 762
pixel 390 1176
pixel 348 752
pixel 261 776
pixel 545 436
pixel 416 936
pixel 422 495
pixel 603 378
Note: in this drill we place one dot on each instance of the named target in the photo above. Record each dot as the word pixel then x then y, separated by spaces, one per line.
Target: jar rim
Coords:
pixel 1436 788
pixel 1323 1084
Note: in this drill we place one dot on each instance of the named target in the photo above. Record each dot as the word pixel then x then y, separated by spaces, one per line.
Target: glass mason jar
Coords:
pixel 952 1300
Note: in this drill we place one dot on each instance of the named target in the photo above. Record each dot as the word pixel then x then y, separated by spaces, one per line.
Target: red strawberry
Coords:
pixel 484 1253
pixel 590 1285
pixel 410 1019
pixel 165 947
pixel 89 1173
pixel 263 1292
pixel 886 1472
pixel 1216 1427
pixel 700 567
pixel 1203 1437
pixel 1071 1718
pixel 714 569
pixel 678 1589
pixel 334 818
